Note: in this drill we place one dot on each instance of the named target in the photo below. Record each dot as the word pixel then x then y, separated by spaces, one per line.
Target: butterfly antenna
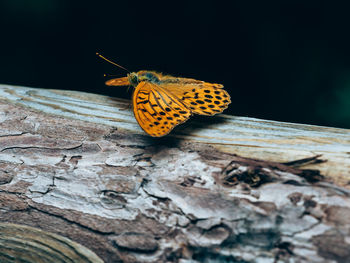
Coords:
pixel 98 54
pixel 110 75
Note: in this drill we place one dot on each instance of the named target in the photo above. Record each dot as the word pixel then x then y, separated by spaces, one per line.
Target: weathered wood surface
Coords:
pixel 77 165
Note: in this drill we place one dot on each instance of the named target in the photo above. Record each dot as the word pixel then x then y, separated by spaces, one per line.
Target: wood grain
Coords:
pixel 28 244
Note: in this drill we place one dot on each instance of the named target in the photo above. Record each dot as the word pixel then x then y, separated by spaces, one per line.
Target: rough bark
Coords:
pixel 218 189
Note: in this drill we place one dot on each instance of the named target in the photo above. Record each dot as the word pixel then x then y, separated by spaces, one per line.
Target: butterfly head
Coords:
pixel 133 79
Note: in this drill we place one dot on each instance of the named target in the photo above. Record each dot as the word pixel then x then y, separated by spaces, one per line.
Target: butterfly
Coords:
pixel 161 102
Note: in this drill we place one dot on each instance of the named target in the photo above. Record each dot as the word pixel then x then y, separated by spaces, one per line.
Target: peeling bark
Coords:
pixel 97 180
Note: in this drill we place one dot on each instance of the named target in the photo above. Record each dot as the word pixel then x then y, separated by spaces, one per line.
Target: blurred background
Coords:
pixel 280 60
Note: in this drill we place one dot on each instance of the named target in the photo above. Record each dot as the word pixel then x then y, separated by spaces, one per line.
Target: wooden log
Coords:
pixel 218 188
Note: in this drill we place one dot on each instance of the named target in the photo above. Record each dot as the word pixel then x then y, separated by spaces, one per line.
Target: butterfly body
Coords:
pixel 161 102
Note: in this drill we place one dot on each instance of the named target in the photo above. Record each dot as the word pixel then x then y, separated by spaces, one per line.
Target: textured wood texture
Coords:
pixel 77 165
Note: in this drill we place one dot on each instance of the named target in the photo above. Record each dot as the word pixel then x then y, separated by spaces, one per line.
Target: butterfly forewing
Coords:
pixel 156 110
pixel 118 82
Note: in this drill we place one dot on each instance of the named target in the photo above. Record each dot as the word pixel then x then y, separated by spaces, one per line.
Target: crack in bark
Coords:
pixel 13 135
pixel 305 161
pixel 179 212
pixel 49 188
pixel 42 148
pixel 71 221
pixel 304 230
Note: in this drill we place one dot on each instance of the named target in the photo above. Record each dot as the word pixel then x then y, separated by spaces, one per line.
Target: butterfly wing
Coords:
pixel 187 81
pixel 118 82
pixel 200 97
pixel 156 110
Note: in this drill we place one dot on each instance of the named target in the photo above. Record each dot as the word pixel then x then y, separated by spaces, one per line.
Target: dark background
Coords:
pixel 279 60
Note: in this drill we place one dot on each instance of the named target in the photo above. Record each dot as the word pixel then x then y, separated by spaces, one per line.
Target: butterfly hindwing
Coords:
pixel 200 97
pixel 156 110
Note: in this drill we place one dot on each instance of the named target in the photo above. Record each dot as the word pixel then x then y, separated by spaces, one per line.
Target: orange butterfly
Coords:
pixel 161 102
